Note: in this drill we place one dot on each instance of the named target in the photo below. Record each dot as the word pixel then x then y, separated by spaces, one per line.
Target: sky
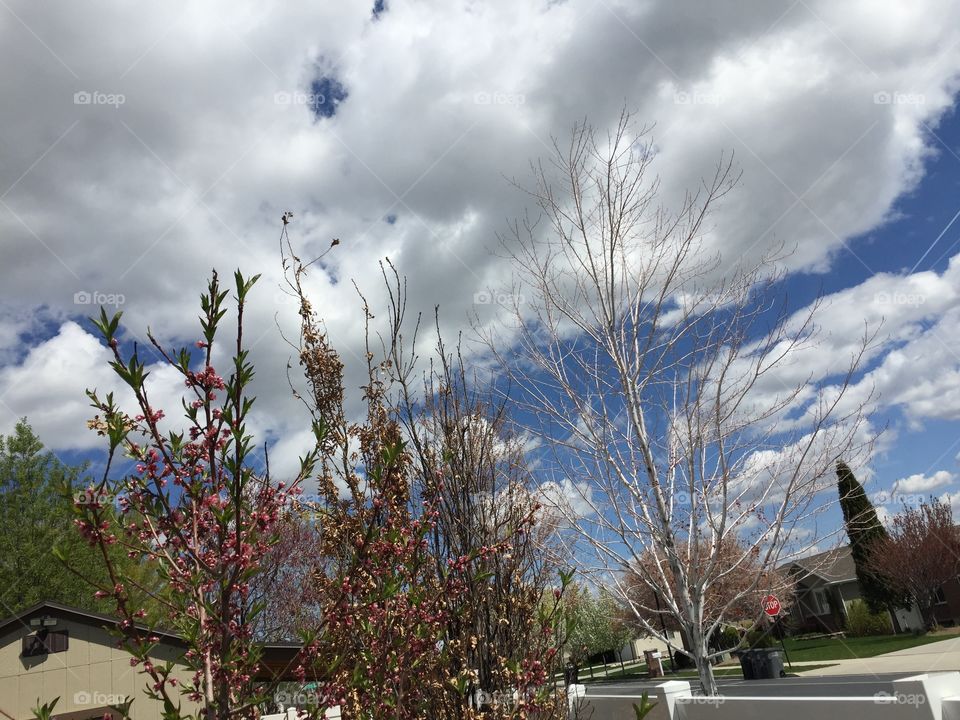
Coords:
pixel 143 145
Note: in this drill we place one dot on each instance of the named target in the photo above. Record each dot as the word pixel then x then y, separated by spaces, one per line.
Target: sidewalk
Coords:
pixel 934 657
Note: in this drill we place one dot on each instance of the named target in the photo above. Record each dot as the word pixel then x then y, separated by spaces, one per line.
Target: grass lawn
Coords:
pixel 847 648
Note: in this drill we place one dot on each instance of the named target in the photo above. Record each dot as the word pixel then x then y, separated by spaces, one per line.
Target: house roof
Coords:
pixel 277 659
pixel 832 566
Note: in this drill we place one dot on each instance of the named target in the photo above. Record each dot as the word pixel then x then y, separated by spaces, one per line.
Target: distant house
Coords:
pixel 634 649
pixel 826 584
pixel 52 650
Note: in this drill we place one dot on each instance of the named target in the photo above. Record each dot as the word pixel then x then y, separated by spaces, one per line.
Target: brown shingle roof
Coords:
pixel 833 565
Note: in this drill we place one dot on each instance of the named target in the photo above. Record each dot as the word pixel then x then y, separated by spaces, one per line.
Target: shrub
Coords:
pixel 861 622
pixel 757 638
pixel 725 639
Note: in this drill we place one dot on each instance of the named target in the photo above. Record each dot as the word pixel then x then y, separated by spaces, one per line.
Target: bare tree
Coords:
pixel 921 554
pixel 669 387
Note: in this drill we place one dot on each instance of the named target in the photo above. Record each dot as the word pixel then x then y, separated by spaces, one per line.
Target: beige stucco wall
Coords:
pixel 90 674
pixel 638 645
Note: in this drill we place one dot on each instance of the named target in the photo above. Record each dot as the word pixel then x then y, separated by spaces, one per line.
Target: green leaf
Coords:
pixel 645 706
pixel 45 711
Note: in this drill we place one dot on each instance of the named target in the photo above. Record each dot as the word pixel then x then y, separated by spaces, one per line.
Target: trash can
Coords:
pixel 654 663
pixel 761 664
pixel 770 665
pixel 570 674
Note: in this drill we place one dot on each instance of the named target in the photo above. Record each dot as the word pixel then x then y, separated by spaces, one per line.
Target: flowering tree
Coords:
pixel 196 511
pixel 736 593
pixel 597 625
pixel 920 554
pixel 424 618
pixel 383 632
pixel 282 586
pixel 467 460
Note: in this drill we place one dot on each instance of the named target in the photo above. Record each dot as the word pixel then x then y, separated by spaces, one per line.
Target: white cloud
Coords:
pixel 567 499
pixel 193 169
pixel 953 500
pixel 49 387
pixel 920 483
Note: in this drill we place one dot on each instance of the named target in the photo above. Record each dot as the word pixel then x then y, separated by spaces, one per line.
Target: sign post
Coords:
pixel 771 606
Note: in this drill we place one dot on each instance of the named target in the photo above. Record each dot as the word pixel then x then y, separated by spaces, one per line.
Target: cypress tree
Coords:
pixel 864 529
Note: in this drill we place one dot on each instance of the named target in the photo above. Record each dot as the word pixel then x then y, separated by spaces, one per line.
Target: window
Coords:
pixel 820 603
pixel 939 597
pixel 44 642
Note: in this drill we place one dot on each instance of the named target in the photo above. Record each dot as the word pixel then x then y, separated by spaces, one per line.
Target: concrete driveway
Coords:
pixel 932 657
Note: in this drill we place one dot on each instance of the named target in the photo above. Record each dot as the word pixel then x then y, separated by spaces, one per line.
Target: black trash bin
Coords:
pixel 570 674
pixel 761 664
pixel 771 664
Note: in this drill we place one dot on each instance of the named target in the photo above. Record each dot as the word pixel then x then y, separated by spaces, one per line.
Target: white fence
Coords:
pixel 934 696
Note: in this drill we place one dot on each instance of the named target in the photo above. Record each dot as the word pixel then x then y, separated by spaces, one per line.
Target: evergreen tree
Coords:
pixel 36 514
pixel 864 530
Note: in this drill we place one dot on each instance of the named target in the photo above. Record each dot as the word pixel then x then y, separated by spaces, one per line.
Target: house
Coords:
pixel 52 651
pixel 634 649
pixel 826 584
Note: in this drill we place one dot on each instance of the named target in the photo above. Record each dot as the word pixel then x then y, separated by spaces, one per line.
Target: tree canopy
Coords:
pixel 38 491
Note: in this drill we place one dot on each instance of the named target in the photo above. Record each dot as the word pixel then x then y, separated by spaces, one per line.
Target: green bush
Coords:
pixel 861 622
pixel 725 639
pixel 758 638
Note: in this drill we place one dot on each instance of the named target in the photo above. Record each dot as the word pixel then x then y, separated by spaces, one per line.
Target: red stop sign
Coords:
pixel 771 605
